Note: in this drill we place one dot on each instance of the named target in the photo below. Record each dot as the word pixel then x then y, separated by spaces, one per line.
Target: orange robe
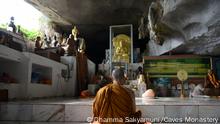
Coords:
pixel 114 101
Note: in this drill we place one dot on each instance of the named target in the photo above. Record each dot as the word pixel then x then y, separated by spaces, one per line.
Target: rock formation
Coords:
pixel 190 26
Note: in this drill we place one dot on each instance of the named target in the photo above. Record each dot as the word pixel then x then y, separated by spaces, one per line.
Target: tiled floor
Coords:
pixel 76 111
pixel 139 101
pixel 10 122
pixel 4 122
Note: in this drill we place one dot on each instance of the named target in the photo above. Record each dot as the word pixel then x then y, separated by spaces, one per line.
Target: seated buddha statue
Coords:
pixel 121 53
pixel 121 45
pixel 71 46
pixel 72 42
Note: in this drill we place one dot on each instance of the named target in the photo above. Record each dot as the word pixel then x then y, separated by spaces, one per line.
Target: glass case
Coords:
pixel 121 46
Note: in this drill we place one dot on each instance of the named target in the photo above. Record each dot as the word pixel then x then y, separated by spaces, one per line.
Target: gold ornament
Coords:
pixel 182 75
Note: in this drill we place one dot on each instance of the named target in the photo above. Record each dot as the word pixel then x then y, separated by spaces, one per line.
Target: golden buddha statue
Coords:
pixel 72 42
pixel 80 42
pixel 75 32
pixel 121 46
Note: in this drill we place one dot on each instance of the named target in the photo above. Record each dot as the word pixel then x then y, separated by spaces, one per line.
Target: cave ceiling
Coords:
pixel 196 21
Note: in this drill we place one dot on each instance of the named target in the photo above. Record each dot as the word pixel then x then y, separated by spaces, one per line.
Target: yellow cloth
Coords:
pixel 114 101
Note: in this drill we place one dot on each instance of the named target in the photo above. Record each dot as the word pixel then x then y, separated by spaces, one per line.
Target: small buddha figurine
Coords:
pixel 38 44
pixel 71 46
pixel 47 41
pixel 76 40
pixel 75 33
pixel 55 41
pixel 11 26
pixel 141 85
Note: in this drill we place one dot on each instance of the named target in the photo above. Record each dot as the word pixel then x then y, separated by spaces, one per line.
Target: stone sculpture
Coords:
pixel 155 14
pixel 38 43
pixel 11 26
pixel 143 29
pixel 71 49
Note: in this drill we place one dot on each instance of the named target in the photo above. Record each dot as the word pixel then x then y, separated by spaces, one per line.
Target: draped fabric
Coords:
pixel 82 73
pixel 114 101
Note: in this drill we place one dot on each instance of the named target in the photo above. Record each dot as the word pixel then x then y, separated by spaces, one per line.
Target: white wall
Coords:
pixel 42 90
pixel 19 65
pixel 13 63
pixel 91 69
pixel 71 83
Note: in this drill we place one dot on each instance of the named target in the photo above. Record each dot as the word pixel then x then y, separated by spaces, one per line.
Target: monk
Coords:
pixel 115 102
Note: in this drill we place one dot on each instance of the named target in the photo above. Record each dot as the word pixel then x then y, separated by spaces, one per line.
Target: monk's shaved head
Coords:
pixel 118 74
